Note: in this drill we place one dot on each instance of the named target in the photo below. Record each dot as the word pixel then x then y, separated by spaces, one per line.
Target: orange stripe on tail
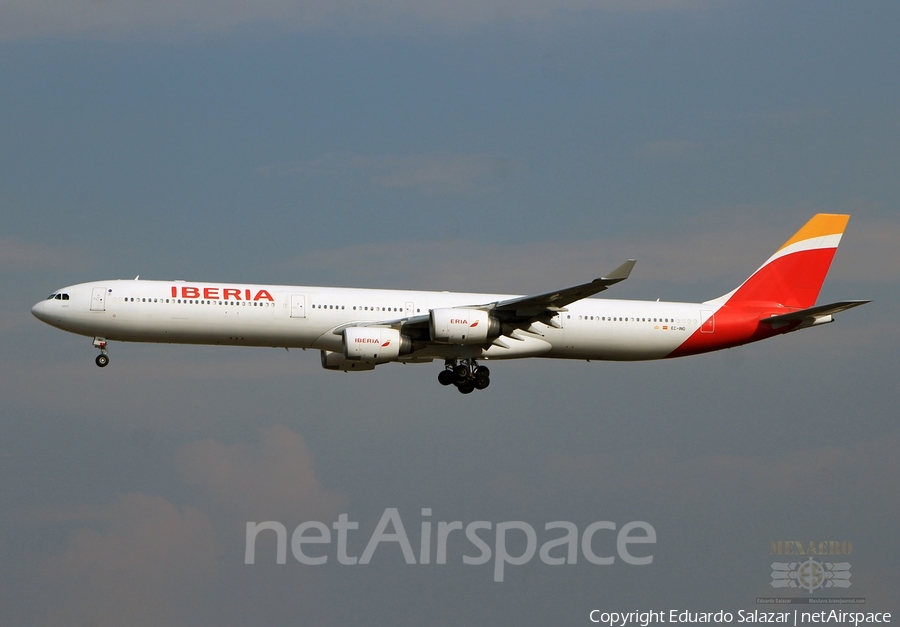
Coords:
pixel 820 225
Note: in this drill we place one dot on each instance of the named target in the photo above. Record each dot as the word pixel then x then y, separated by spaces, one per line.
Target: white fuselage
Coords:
pixel 179 312
pixel 358 329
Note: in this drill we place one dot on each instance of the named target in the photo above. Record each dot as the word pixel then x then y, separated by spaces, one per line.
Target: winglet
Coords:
pixel 619 274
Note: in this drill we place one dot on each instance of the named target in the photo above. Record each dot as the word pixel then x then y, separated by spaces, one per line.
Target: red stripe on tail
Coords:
pixel 790 281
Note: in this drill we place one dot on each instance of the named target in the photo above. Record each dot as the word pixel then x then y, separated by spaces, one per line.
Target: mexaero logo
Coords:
pixel 812 573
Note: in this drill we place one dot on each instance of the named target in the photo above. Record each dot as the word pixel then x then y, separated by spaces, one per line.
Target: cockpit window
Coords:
pixel 65 297
pixel 52 296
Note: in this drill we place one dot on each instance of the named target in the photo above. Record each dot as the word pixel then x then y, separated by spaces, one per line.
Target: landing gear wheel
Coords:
pixel 446 377
pixel 465 374
pixel 102 360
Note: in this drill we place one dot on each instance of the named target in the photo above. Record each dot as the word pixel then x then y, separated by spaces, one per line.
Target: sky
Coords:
pixel 495 146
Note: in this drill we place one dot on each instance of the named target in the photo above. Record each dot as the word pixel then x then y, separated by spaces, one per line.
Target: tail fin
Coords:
pixel 793 276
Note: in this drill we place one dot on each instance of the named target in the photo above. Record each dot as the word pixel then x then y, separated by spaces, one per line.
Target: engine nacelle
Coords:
pixel 336 361
pixel 375 344
pixel 463 326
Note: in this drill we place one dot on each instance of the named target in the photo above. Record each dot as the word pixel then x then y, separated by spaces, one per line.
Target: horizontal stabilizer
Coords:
pixel 815 312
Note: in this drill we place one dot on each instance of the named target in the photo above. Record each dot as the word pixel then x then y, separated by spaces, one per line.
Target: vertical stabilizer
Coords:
pixel 793 276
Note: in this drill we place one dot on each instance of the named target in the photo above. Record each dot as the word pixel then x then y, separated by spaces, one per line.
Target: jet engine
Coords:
pixel 337 361
pixel 463 326
pixel 375 344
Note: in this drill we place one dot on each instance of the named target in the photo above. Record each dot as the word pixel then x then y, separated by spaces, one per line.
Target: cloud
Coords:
pixel 133 566
pixel 142 373
pixel 273 479
pixel 16 255
pixel 430 173
pixel 144 561
pixel 722 248
pixel 832 474
pixel 26 19
pixel 668 148
pixel 868 250
pixel 788 117
pixel 437 173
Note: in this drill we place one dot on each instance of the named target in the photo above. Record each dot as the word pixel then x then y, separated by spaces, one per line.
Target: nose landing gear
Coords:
pixel 103 358
pixel 466 375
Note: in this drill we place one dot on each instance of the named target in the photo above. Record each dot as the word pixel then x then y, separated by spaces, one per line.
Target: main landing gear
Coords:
pixel 465 374
pixel 103 358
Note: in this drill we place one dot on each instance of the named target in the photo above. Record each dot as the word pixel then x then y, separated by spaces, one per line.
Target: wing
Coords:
pixel 518 312
pixel 528 307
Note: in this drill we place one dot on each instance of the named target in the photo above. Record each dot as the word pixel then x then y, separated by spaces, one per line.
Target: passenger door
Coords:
pixel 298 305
pixel 98 299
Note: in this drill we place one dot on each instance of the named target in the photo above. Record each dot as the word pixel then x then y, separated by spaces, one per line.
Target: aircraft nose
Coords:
pixel 38 311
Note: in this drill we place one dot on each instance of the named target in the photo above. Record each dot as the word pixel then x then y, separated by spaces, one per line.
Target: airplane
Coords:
pixel 358 329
